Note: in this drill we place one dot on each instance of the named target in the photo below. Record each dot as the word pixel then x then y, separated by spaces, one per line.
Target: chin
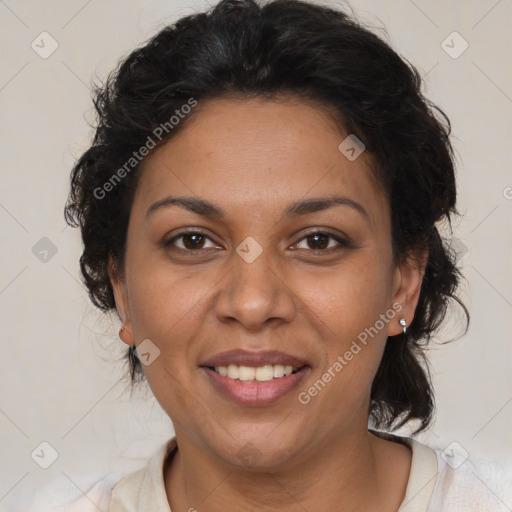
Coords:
pixel 264 450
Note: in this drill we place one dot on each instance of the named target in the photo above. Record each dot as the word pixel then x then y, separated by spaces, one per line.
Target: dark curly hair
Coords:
pixel 293 49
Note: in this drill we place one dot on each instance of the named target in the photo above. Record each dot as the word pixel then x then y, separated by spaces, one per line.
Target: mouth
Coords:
pixel 264 373
pixel 254 378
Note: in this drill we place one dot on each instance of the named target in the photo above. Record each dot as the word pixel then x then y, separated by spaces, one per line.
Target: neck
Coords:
pixel 350 472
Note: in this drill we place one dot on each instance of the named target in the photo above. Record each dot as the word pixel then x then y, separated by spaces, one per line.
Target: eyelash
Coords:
pixel 342 243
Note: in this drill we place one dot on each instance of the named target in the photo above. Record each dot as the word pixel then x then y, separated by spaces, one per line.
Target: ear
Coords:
pixel 121 297
pixel 407 281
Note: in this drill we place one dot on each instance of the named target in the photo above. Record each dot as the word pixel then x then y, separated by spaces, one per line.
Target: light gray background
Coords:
pixel 59 379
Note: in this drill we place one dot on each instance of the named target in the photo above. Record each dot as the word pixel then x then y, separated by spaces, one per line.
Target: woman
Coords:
pixel 259 207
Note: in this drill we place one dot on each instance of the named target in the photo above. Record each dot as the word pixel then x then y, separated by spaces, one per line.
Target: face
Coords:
pixel 270 271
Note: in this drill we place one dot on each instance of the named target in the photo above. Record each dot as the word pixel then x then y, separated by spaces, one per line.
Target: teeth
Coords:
pixel 278 370
pixel 264 373
pixel 260 373
pixel 232 371
pixel 246 373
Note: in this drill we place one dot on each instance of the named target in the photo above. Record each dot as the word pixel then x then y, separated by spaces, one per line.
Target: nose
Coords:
pixel 256 293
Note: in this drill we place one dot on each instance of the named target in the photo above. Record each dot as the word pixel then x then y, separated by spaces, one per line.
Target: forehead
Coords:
pixel 252 153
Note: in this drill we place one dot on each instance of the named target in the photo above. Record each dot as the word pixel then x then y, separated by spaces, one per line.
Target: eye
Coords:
pixel 318 241
pixel 191 240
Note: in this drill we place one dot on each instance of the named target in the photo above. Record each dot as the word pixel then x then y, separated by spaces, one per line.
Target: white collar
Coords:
pixel 145 489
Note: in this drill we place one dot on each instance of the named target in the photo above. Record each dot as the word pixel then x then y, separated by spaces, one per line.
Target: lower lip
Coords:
pixel 255 392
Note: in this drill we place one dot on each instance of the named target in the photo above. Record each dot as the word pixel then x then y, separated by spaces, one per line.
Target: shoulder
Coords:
pixel 64 495
pixel 452 480
pixel 471 484
pixel 96 498
pixel 70 494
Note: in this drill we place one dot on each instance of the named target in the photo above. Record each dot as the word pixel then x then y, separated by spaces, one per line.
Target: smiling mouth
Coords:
pixel 264 373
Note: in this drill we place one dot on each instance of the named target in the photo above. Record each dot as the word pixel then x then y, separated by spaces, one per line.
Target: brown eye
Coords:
pixel 320 241
pixel 192 240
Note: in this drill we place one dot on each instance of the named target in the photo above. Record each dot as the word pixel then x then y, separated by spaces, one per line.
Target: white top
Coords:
pixel 438 482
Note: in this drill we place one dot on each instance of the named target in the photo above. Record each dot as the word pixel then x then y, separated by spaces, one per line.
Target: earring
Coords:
pixel 403 323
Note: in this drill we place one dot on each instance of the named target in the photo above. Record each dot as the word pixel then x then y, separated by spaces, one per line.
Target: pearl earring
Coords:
pixel 403 323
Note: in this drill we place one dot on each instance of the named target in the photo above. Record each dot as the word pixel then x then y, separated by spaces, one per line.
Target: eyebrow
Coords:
pixel 209 210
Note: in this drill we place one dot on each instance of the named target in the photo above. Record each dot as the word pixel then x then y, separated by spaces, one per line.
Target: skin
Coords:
pixel 252 158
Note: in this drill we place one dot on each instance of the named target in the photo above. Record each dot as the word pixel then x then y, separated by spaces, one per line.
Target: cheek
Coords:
pixel 168 308
pixel 347 306
pixel 348 299
pixel 163 297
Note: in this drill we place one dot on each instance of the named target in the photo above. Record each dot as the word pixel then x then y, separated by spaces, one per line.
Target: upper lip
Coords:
pixel 248 358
